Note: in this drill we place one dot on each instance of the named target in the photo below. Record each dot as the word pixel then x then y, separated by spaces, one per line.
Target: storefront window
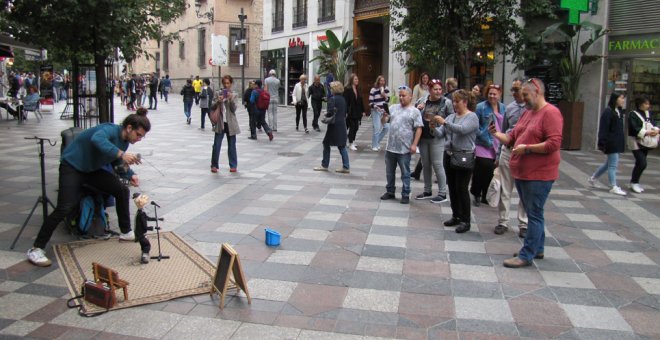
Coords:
pixel 274 60
pixel 636 77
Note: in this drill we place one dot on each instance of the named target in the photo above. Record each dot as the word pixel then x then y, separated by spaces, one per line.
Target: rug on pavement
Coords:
pixel 185 273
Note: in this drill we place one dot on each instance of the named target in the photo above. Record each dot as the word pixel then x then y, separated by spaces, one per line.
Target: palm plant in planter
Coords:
pixel 336 56
pixel 570 71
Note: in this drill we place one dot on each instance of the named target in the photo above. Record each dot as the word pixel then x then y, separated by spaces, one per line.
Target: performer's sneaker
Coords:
pixel 37 257
pixel 145 258
pixel 129 236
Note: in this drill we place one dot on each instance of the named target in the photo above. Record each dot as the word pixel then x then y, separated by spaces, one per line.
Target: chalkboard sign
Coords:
pixel 553 89
pixel 229 261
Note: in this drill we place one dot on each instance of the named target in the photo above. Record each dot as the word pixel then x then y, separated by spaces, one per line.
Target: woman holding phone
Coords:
pixel 227 125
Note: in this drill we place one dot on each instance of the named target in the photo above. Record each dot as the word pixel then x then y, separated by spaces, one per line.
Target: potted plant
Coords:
pixel 336 56
pixel 570 71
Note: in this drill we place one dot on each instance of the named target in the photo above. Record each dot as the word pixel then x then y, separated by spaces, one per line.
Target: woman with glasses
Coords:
pixel 461 129
pixel 355 109
pixel 432 142
pixel 638 123
pixel 421 90
pixel 487 111
pixel 611 141
pixel 379 96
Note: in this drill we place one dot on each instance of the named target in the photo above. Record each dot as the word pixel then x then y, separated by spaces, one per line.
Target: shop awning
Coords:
pixel 7 43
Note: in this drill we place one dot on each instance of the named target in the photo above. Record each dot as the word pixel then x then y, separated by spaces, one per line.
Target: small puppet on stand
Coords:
pixel 141 226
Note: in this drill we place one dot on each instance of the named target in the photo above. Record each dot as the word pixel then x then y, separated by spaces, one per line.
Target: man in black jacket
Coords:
pixel 317 93
pixel 153 90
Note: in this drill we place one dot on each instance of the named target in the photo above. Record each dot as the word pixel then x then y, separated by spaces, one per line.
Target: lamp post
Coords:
pixel 242 17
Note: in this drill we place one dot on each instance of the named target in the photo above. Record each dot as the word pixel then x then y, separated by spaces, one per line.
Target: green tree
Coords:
pixel 336 56
pixel 90 30
pixel 452 31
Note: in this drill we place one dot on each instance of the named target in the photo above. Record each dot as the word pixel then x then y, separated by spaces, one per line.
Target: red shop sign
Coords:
pixel 296 42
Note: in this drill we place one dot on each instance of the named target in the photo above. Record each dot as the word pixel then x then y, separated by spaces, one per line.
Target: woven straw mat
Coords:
pixel 185 273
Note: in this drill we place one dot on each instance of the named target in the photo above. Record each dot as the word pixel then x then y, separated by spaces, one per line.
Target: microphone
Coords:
pixel 154 203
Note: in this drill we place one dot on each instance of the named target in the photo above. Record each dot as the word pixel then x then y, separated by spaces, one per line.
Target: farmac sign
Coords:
pixel 634 44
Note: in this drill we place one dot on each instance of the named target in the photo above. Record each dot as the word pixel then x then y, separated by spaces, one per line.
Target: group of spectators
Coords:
pixel 135 90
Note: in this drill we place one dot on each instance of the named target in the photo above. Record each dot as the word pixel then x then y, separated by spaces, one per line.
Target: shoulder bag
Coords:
pixel 460 160
pixel 650 142
pixel 331 113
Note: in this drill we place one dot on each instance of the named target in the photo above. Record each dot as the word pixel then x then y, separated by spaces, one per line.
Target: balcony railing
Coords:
pixel 326 11
pixel 300 15
pixel 278 21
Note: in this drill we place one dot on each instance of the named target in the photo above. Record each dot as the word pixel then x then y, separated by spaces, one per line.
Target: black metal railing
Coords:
pixel 300 15
pixel 278 20
pixel 326 11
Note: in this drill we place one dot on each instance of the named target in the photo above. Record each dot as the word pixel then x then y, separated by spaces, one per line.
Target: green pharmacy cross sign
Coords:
pixel 574 8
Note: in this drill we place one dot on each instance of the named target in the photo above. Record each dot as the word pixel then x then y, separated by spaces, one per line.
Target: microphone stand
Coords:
pixel 43 199
pixel 160 254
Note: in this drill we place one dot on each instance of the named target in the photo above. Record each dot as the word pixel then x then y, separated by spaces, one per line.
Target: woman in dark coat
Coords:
pixel 355 109
pixel 611 141
pixel 336 135
pixel 638 127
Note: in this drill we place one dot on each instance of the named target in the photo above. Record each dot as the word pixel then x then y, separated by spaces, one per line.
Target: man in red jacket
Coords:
pixel 534 164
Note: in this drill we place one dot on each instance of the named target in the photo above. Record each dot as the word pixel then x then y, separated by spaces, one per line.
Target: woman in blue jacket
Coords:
pixel 611 140
pixel 488 111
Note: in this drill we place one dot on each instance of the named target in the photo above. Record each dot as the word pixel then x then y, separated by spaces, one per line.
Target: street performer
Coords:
pixel 82 163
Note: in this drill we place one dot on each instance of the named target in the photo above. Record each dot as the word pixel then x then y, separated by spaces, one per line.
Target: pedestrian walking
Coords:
pixel 379 97
pixel 188 94
pixel 335 133
pixel 205 101
pixel 611 141
pixel 301 100
pixel 272 85
pixel 317 96
pixel 355 109
pixel 640 125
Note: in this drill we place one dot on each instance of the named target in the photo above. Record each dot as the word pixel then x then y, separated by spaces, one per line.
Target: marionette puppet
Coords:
pixel 141 226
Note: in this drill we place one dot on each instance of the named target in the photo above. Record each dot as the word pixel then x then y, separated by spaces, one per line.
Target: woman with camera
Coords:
pixel 227 124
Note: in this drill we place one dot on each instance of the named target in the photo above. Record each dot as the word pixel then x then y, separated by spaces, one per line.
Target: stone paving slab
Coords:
pixel 349 265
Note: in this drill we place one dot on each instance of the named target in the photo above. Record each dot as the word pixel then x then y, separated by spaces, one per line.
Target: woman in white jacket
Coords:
pixel 300 100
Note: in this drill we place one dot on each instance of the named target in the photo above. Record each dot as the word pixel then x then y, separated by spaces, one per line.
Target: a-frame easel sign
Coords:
pixel 228 262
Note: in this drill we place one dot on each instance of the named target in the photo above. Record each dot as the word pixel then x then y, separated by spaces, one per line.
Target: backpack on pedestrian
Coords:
pixel 263 100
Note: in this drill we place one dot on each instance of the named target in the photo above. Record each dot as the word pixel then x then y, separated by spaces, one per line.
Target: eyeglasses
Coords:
pixel 403 87
pixel 494 86
pixel 531 80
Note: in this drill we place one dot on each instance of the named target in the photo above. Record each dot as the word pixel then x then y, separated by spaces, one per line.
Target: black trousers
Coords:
pixel 153 100
pixel 71 183
pixel 205 111
pixel 640 164
pixel 481 176
pixel 353 125
pixel 301 108
pixel 457 184
pixel 253 122
pixel 316 108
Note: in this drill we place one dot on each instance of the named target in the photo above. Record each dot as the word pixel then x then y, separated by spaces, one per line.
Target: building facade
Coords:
pixel 190 54
pixel 293 29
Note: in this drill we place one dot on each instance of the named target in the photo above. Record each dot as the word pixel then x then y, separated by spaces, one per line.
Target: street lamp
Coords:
pixel 208 15
pixel 242 17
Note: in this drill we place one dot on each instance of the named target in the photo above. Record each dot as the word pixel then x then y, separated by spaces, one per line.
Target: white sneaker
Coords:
pixel 375 149
pixel 593 182
pixel 636 188
pixel 37 257
pixel 129 236
pixel 353 147
pixel 617 191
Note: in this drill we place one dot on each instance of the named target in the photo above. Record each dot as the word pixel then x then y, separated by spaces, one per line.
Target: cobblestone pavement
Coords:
pixel 350 266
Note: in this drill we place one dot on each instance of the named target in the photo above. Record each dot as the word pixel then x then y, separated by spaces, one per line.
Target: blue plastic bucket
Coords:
pixel 272 237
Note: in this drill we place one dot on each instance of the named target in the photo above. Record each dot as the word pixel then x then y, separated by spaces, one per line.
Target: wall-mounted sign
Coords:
pixel 574 7
pixel 321 38
pixel 634 44
pixel 219 50
pixel 296 42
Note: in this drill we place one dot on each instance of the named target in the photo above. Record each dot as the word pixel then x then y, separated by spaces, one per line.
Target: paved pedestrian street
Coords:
pixel 349 266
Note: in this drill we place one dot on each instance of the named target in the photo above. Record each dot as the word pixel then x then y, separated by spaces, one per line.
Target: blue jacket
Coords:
pixel 485 114
pixel 254 96
pixel 95 147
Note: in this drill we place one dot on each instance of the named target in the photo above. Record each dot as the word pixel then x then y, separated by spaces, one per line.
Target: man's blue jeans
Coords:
pixel 231 149
pixel 187 107
pixel 326 156
pixel 533 194
pixel 391 161
pixel 380 130
pixel 610 166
